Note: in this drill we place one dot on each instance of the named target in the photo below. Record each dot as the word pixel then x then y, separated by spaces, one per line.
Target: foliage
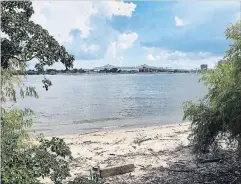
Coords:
pixel 23 40
pixel 81 180
pixel 219 113
pixel 27 164
pixel 26 40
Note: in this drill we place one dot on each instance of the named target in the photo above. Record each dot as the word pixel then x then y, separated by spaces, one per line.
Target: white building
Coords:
pixel 126 68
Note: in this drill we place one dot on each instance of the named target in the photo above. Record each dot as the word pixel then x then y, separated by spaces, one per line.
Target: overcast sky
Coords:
pixel 168 34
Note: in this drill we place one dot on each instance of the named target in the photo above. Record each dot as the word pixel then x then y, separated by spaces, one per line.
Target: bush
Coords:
pixel 219 113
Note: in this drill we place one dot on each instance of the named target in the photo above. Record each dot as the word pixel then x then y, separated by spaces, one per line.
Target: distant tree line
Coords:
pixel 112 70
pixel 51 71
pixel 75 70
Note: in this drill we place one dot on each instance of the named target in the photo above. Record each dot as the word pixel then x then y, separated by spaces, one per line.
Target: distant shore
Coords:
pixel 142 73
pixel 135 73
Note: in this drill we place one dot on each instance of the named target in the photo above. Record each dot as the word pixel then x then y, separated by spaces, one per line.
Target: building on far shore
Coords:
pixel 146 68
pixel 204 66
pixel 124 69
pixel 108 67
pixel 139 69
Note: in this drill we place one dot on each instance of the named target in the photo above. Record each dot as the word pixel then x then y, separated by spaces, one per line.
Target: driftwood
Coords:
pixel 86 133
pixel 116 170
pixel 181 170
pixel 210 160
pixel 139 141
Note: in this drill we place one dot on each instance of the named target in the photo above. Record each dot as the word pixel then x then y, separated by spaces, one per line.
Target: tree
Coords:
pixel 26 40
pixel 22 161
pixel 219 113
pixel 81 70
pixel 75 70
pixel 114 70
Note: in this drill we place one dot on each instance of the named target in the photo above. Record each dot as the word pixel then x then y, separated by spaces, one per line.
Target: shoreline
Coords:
pixel 49 132
pixel 147 148
pixel 96 74
pixel 121 129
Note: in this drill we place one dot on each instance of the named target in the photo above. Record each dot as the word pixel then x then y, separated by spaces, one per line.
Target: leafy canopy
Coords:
pixel 26 40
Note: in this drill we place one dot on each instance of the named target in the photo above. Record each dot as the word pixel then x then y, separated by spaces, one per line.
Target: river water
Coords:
pixel 85 103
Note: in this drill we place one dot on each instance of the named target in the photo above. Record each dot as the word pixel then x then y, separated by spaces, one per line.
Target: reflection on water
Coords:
pixel 77 103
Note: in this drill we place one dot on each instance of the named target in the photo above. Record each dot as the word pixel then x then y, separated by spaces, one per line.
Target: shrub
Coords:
pixel 219 113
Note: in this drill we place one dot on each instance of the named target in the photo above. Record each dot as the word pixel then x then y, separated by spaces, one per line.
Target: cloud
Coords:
pixel 150 57
pixel 190 42
pixel 111 51
pixel 83 26
pixel 89 53
pixel 178 59
pixel 238 16
pixel 59 17
pixel 179 22
pixel 124 41
pixel 111 8
pixel 198 12
pixel 102 32
pixel 174 55
pixel 92 47
pixel 202 31
pixel 127 40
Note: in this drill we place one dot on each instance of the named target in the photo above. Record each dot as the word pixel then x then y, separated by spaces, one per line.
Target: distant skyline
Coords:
pixel 162 34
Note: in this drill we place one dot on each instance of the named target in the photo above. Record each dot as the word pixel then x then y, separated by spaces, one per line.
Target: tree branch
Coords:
pixel 18 58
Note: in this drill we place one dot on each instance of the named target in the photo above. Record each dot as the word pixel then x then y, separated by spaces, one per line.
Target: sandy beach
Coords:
pixel 147 148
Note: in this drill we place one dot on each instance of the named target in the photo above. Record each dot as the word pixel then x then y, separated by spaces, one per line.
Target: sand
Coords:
pixel 147 148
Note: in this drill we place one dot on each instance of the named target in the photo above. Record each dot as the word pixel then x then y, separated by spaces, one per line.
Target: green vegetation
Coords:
pixel 23 162
pixel 54 72
pixel 219 113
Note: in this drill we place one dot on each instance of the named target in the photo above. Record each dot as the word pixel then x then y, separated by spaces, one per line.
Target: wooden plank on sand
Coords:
pixel 116 170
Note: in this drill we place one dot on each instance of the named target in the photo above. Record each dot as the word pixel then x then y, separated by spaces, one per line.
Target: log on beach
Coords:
pixel 116 170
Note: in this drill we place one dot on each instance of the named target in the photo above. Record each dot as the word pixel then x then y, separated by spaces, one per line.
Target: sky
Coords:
pixel 124 33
